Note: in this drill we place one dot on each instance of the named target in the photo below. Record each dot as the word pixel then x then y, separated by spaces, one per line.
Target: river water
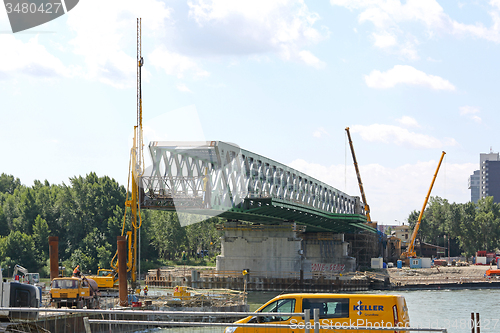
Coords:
pixel 450 309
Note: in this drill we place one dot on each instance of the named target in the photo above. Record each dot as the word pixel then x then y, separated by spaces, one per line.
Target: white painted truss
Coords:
pixel 221 176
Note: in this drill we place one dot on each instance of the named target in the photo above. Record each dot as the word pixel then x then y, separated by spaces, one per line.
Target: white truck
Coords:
pixel 17 295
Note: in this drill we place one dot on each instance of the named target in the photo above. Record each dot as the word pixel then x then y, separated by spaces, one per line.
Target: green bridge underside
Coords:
pixel 274 211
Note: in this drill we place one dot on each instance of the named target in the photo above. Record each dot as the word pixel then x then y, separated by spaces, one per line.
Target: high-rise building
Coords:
pixel 489 176
pixel 474 186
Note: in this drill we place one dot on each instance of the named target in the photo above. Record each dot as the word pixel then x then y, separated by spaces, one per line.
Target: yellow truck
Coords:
pixel 74 291
pixel 335 311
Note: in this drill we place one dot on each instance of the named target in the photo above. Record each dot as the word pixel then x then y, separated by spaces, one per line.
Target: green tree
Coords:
pixel 468 230
pixel 488 222
pixel 168 237
pixel 46 200
pixel 41 234
pixel 20 247
pixel 8 183
pixel 4 227
pixel 88 204
pixel 454 216
pixel 104 255
pixel 10 212
pixel 28 211
pixel 78 257
pixel 203 236
pixel 97 249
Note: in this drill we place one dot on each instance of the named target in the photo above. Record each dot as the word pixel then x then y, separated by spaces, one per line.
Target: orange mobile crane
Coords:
pixel 410 251
pixel 367 208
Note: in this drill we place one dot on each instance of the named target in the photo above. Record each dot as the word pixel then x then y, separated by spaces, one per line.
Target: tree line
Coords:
pixel 87 215
pixel 468 227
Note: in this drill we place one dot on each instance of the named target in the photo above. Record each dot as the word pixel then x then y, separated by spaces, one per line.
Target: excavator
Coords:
pixel 360 183
pixel 29 278
pixel 410 251
pixel 107 278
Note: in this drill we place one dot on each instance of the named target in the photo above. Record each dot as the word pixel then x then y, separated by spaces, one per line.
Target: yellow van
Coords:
pixel 335 311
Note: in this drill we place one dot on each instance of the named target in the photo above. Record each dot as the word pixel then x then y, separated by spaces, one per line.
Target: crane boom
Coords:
pixel 410 252
pixel 360 183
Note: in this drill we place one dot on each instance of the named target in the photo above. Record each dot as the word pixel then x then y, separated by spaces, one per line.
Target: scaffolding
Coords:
pixel 363 247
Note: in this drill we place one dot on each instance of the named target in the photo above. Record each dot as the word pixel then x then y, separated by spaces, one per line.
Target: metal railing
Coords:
pixel 315 326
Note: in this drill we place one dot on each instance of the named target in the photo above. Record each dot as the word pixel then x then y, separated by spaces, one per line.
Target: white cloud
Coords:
pixel 280 26
pixel 470 112
pixel 495 3
pixel 394 192
pixel 30 58
pixel 320 132
pixel 404 74
pixel 408 121
pixel 384 40
pixel 389 16
pixel 310 59
pixel 103 40
pixel 176 64
pixel 467 110
pixel 400 136
pixel 409 50
pixel 182 87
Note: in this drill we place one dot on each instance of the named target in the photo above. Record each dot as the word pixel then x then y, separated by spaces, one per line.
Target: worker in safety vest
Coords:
pixel 146 291
pixel 76 271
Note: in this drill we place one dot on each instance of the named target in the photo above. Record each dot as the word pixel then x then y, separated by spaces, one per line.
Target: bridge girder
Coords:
pixel 218 178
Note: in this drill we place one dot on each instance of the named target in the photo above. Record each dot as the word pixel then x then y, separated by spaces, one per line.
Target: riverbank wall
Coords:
pixel 254 281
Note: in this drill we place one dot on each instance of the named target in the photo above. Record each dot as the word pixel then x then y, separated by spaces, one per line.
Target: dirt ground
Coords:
pixel 439 274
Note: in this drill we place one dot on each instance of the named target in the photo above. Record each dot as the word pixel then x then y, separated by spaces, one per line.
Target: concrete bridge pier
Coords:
pixel 282 251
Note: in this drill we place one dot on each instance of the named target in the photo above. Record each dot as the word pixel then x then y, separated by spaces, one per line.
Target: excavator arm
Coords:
pixel 19 268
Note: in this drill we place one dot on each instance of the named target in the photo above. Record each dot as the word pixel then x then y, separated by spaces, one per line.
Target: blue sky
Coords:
pixel 281 78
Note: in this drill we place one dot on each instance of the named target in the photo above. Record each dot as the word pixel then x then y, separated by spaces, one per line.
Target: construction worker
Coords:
pixel 76 271
pixel 146 291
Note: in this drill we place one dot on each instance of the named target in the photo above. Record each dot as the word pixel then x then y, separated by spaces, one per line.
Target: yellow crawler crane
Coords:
pixel 410 251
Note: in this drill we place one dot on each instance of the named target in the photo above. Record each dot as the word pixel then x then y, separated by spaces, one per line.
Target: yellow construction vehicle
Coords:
pixel 74 291
pixel 360 183
pixel 105 278
pixel 410 251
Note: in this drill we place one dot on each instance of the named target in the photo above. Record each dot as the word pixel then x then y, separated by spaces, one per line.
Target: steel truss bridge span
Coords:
pixel 216 178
